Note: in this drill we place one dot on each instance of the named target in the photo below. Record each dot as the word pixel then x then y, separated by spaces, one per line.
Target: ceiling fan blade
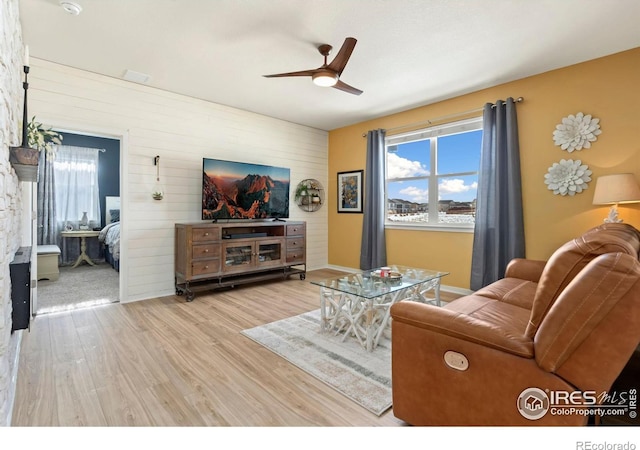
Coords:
pixel 302 73
pixel 340 61
pixel 345 87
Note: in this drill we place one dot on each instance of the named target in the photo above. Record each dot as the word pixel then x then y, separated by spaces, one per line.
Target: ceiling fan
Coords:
pixel 328 74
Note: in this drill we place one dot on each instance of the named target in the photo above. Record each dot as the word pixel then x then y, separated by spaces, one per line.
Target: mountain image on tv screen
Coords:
pixel 235 190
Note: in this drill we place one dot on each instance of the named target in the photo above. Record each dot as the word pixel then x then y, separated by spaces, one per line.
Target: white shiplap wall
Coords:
pixel 181 130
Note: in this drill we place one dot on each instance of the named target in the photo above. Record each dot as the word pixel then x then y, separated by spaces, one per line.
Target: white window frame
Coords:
pixel 436 131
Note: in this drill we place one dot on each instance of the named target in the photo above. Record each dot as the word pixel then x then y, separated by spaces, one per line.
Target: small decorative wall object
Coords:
pixel 26 156
pixel 158 191
pixel 309 195
pixel 576 132
pixel 350 191
pixel 568 177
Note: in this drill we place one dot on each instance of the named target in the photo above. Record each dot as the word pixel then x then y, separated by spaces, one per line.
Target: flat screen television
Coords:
pixel 238 190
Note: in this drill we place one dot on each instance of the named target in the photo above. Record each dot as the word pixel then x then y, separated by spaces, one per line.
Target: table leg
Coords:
pixel 371 332
pixel 83 253
pixel 323 309
pixel 332 310
pixel 424 288
pixel 386 315
pixel 436 290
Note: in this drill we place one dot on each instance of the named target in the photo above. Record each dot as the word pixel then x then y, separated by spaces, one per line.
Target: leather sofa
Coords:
pixel 521 350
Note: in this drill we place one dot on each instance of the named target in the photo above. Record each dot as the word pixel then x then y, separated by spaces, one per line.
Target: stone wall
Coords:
pixel 11 54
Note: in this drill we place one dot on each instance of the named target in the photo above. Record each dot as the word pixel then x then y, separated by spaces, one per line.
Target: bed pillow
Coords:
pixel 115 215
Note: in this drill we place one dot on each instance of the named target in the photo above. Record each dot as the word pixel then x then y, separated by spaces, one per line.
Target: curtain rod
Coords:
pixel 438 119
pixel 101 150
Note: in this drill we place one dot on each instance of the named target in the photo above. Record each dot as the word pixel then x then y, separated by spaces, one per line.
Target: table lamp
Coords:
pixel 615 189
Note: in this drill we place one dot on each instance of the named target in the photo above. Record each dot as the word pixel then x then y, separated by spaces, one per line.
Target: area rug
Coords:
pixel 364 377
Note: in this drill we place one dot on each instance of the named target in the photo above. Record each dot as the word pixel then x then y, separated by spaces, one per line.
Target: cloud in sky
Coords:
pixel 398 167
pixel 455 186
pixel 415 194
pixel 448 189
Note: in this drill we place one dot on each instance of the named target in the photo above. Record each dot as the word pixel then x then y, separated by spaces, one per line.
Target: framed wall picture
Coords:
pixel 350 191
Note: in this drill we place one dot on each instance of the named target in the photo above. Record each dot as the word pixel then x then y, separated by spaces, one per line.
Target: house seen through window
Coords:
pixel 432 176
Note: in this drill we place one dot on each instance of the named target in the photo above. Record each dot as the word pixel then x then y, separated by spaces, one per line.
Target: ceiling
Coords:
pixel 409 52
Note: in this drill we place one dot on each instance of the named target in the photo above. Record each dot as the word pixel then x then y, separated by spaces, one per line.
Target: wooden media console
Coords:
pixel 215 255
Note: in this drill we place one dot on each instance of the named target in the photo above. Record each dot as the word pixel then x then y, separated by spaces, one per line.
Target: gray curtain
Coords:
pixel 47 228
pixel 499 227
pixel 373 251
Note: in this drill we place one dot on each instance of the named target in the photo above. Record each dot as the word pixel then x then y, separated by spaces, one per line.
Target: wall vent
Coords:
pixel 136 77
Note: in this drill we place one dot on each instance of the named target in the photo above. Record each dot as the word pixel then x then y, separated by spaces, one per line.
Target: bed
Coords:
pixel 110 235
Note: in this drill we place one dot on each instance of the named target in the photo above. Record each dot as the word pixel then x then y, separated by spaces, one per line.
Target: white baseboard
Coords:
pixel 456 290
pixel 342 269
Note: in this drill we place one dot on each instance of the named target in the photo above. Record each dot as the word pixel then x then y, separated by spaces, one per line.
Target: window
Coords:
pixel 432 176
pixel 76 185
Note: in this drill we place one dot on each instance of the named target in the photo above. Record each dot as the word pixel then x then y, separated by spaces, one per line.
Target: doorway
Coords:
pixel 88 263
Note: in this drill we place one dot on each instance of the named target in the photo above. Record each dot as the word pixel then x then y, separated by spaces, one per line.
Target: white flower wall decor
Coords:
pixel 568 177
pixel 576 132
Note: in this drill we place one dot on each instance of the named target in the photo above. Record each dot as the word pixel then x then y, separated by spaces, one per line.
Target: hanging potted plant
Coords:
pixel 39 139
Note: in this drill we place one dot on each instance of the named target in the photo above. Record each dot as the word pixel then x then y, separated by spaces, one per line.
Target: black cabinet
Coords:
pixel 20 272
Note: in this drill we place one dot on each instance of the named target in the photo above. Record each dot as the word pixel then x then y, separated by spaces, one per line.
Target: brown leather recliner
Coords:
pixel 519 351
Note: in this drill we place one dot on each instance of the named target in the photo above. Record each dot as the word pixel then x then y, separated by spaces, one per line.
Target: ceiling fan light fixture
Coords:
pixel 328 74
pixel 325 78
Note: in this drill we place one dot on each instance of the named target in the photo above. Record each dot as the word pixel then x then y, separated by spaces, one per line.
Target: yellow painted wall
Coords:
pixel 606 88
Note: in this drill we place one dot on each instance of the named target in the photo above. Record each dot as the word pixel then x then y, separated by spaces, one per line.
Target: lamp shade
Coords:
pixel 617 188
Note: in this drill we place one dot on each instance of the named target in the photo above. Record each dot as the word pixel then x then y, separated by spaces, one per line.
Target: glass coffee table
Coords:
pixel 357 304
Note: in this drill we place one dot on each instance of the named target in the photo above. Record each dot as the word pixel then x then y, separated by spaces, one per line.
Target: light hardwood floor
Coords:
pixel 165 362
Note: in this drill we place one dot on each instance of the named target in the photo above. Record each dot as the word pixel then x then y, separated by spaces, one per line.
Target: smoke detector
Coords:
pixel 72 8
